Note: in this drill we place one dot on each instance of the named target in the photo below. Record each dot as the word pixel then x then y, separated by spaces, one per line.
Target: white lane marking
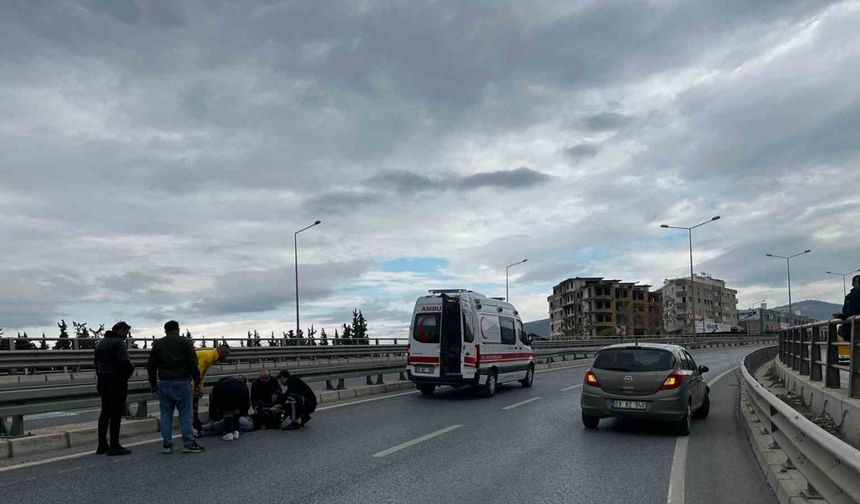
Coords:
pixel 402 446
pixel 517 405
pixel 724 373
pixel 333 406
pixel 678 474
pixel 565 389
pixel 679 470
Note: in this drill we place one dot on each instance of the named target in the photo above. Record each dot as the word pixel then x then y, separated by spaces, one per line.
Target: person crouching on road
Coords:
pixel 206 358
pixel 229 401
pixel 113 369
pixel 297 398
pixel 172 366
pixel 267 414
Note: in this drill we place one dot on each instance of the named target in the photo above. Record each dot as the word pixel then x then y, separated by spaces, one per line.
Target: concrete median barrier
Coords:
pixel 28 445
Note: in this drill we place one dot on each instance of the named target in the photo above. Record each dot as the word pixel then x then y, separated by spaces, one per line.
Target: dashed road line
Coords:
pixel 517 405
pixel 413 442
pixel 565 389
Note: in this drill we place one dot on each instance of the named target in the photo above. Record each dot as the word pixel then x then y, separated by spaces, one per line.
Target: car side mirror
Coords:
pixel 703 369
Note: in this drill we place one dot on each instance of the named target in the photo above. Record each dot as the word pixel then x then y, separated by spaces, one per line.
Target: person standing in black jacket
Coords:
pixel 851 306
pixel 113 369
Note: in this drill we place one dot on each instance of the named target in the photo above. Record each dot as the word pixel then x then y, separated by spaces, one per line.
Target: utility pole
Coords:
pixel 692 276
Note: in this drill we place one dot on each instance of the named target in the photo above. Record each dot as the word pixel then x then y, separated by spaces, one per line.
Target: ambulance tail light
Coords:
pixel 477 356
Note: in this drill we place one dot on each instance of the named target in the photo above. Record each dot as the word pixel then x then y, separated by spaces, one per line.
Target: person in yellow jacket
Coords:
pixel 206 358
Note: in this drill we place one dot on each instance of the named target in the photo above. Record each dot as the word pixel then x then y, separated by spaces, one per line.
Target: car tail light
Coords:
pixel 672 381
pixel 591 379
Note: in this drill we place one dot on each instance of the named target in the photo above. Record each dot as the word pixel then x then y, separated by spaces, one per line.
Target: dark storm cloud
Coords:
pixel 337 202
pixel 581 151
pixel 403 181
pixel 605 121
pixel 520 178
pixel 407 182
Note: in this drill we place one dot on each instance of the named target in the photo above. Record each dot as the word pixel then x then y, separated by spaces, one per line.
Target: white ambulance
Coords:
pixel 459 337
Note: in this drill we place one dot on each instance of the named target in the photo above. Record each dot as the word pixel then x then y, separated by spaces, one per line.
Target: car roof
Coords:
pixel 656 346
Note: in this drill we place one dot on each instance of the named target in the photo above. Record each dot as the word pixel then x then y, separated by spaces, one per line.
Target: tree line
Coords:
pixel 353 333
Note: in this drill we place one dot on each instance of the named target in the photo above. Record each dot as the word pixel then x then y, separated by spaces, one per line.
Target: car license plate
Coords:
pixel 637 405
pixel 425 369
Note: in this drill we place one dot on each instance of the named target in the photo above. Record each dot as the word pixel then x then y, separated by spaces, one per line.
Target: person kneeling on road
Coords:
pixel 297 398
pixel 229 401
pixel 267 414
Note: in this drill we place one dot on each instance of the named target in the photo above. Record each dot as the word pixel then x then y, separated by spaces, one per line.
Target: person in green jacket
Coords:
pixel 172 367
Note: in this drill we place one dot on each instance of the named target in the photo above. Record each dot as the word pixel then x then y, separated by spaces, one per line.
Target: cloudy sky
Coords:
pixel 158 156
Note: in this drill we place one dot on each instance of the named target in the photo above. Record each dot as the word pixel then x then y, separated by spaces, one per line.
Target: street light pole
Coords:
pixel 296 251
pixel 788 270
pixel 843 275
pixel 506 276
pixel 692 276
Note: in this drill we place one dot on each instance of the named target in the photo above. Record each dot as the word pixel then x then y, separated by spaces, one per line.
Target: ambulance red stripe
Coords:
pixel 417 359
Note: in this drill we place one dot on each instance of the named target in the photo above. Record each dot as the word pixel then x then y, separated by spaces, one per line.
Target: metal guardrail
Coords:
pixel 30 361
pixel 77 360
pixel 814 350
pixel 831 466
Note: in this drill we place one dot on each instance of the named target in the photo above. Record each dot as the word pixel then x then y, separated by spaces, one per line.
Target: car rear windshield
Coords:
pixel 634 360
pixel 427 327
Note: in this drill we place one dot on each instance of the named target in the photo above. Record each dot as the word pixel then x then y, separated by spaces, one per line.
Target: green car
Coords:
pixel 645 381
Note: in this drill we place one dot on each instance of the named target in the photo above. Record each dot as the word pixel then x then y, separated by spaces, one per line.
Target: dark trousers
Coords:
pixel 113 391
pixel 198 425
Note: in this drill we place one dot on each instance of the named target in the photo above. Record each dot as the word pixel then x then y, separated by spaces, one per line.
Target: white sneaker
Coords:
pixel 228 436
pixel 235 434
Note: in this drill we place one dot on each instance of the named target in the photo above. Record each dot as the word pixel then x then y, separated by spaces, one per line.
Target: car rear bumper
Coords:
pixel 660 407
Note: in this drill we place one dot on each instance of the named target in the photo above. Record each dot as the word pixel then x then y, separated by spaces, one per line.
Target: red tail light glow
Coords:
pixel 591 379
pixel 673 381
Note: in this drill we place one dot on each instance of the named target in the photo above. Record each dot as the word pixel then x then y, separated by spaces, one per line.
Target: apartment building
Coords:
pixel 715 305
pixel 761 320
pixel 589 307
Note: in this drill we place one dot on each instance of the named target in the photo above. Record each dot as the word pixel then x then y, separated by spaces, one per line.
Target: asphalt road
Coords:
pixel 523 445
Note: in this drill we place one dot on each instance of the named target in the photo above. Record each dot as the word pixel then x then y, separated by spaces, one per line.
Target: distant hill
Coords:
pixel 539 327
pixel 820 310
